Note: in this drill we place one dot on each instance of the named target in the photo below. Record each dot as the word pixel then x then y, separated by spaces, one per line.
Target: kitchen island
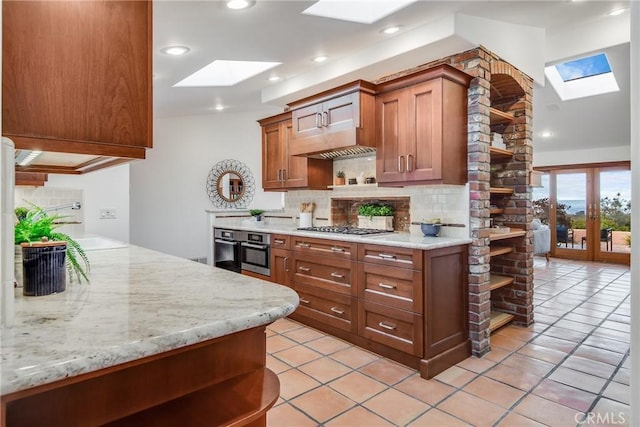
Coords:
pixel 152 337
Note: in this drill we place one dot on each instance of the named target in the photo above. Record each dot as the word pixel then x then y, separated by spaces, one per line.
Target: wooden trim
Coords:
pixel 620 164
pixel 444 71
pixel 499 250
pixel 114 162
pixel 36 179
pixel 500 152
pixel 500 190
pixel 502 236
pixel 499 319
pixel 76 147
pixel 361 86
pixel 282 117
pixel 497 117
pixel 497 281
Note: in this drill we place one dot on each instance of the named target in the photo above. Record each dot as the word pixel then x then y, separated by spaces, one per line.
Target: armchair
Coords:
pixel 541 238
pixel 564 235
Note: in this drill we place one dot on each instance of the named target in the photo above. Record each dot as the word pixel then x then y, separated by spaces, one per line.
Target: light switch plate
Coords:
pixel 107 213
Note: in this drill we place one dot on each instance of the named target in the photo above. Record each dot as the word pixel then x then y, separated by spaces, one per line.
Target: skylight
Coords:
pixel 362 11
pixel 225 73
pixel 582 77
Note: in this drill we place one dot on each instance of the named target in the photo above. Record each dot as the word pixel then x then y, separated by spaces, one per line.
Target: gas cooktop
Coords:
pixel 344 230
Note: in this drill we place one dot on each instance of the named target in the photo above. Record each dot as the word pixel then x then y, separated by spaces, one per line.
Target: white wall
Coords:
pixel 104 188
pixel 168 189
pixel 576 157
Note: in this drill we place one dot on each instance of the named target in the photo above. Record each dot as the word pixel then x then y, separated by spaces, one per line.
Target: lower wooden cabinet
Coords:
pixel 406 304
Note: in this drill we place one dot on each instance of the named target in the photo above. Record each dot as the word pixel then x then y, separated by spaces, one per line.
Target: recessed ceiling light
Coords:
pixel 239 4
pixel 30 158
pixel 225 73
pixel 219 107
pixel 175 50
pixel 364 12
pixel 546 134
pixel 274 78
pixel 320 58
pixel 617 12
pixel 390 30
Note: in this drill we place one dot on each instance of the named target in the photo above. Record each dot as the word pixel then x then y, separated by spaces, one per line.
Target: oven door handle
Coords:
pixel 251 245
pixel 225 242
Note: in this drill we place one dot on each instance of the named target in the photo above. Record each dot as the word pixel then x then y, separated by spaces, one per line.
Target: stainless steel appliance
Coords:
pixel 226 249
pixel 255 252
pixel 344 230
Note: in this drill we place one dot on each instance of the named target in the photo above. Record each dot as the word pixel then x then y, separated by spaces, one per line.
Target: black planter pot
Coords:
pixel 43 267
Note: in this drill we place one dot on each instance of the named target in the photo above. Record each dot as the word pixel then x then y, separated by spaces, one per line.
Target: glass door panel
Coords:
pixel 568 210
pixel 612 215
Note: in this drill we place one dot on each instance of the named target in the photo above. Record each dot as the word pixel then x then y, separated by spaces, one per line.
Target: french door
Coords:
pixel 588 212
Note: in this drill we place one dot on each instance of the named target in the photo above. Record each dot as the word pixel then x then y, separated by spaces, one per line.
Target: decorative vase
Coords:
pixel 43 268
pixel 257 218
pixel 339 181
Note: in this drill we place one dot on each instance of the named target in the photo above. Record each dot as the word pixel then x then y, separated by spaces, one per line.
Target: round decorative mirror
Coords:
pixel 230 184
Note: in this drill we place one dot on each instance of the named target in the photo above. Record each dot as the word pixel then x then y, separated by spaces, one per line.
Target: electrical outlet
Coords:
pixel 107 213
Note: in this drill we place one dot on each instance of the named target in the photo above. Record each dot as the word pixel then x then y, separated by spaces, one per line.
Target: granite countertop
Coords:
pixel 397 239
pixel 139 303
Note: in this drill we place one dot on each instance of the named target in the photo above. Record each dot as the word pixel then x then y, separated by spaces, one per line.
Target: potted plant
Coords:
pixel 340 180
pixel 46 253
pixel 377 216
pixel 256 214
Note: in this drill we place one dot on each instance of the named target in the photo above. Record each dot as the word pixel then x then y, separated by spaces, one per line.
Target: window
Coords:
pixel 582 77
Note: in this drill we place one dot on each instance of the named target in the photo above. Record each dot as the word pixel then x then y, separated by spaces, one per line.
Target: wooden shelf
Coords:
pixel 500 190
pixel 499 319
pixel 496 152
pixel 509 235
pixel 498 117
pixel 496 211
pixel 497 281
pixel 500 250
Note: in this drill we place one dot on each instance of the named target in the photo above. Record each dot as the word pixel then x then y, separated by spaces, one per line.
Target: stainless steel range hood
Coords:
pixel 355 151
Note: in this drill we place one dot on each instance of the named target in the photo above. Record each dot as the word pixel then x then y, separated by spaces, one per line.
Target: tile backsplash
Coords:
pixel 49 198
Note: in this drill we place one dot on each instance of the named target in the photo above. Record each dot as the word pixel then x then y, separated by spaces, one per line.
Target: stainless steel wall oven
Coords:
pixel 255 253
pixel 226 249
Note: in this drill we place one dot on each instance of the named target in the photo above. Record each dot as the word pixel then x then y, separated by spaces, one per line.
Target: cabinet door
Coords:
pixel 280 266
pixel 307 121
pixel 87 89
pixel 424 132
pixel 390 133
pixel 295 167
pixel 340 113
pixel 273 151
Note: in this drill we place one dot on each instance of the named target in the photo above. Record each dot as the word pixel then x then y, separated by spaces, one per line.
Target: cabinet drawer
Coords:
pixel 394 328
pixel 326 273
pixel 391 256
pixel 328 248
pixel 392 286
pixel 328 307
pixel 280 241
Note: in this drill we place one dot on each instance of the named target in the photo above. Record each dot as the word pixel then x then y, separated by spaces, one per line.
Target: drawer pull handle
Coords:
pixel 335 249
pixel 386 286
pixel 338 275
pixel 279 241
pixel 302 268
pixel 389 326
pixel 387 256
pixel 337 310
pixel 305 301
pixel 304 245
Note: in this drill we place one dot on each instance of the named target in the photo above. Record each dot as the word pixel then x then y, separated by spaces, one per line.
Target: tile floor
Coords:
pixel 570 368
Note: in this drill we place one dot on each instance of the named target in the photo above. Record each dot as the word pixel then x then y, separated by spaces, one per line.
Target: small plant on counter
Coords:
pixel 257 214
pixel 340 178
pixel 36 225
pixel 340 174
pixel 371 210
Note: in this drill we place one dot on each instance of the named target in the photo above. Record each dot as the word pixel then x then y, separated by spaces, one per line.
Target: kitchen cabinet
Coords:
pixel 77 78
pixel 338 118
pixel 421 128
pixel 281 259
pixel 281 170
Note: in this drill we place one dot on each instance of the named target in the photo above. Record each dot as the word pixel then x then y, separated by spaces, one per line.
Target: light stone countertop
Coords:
pixel 397 239
pixel 139 303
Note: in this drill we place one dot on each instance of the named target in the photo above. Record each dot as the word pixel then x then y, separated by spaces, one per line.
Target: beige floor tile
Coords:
pixel 387 371
pixel 476 364
pixel 358 417
pixel 599 354
pixel 543 353
pixel 565 395
pixel 303 335
pixel 472 409
pixel 324 369
pixel 517 420
pixel 554 343
pixel 455 376
pixel 623 376
pixel 608 413
pixel 354 357
pixel 286 415
pixel 513 377
pixel 529 364
pixel 589 366
pixel 429 391
pixel 322 403
pixel 437 418
pixel 581 380
pixel 294 383
pixel 278 342
pixel 517 332
pixel 494 391
pixel 497 354
pixel 276 365
pixel 396 407
pixel 327 345
pixel 284 325
pixel 618 392
pixel 298 355
pixel 547 412
pixel 505 342
pixel 357 387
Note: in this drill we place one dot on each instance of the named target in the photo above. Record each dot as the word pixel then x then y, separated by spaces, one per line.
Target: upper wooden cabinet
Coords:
pixel 421 128
pixel 77 76
pixel 337 119
pixel 281 170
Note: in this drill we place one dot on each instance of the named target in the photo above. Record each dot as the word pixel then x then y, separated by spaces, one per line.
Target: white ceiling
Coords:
pixel 277 31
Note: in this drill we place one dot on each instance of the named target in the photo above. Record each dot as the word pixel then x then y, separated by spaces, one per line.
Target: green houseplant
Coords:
pixel 36 225
pixel 256 213
pixel 340 178
pixel 377 216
